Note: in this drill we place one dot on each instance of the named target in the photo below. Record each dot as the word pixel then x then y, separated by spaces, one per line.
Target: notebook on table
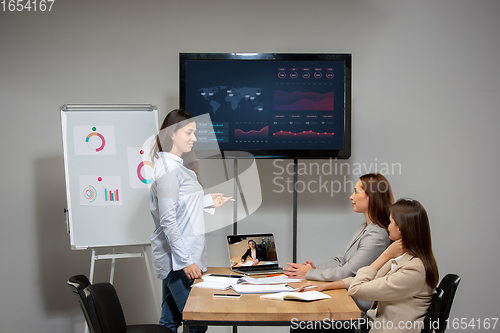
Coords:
pixel 244 258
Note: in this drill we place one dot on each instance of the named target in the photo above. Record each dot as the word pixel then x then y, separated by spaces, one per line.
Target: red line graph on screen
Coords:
pixel 300 100
pixel 252 135
pixel 305 135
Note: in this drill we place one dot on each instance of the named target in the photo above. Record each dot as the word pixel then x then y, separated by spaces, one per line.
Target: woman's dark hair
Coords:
pixel 175 120
pixel 413 222
pixel 251 240
pixel 380 198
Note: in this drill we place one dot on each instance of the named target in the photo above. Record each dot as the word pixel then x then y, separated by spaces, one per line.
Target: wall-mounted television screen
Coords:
pixel 270 105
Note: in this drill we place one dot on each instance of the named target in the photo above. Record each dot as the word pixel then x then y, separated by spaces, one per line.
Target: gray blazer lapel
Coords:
pixel 356 237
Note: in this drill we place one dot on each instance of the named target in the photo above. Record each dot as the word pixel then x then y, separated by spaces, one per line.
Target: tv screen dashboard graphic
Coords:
pixel 269 105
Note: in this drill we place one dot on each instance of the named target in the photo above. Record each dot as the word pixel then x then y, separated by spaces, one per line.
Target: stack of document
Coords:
pixel 218 281
pixel 254 285
pixel 260 288
pixel 270 280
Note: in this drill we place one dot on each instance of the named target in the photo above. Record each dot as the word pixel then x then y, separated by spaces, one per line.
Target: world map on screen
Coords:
pixel 236 97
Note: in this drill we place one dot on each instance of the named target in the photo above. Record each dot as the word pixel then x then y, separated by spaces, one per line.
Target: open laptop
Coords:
pixel 263 248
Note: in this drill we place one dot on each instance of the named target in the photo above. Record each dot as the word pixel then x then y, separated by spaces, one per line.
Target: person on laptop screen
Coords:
pixel 255 253
pixel 372 197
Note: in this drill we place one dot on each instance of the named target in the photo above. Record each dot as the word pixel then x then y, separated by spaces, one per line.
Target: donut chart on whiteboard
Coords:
pixel 139 172
pixel 92 140
pixel 90 193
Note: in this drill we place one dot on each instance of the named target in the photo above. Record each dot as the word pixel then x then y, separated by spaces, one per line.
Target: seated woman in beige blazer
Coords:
pixel 402 280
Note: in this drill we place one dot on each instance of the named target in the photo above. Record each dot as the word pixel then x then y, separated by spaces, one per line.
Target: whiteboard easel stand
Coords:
pixel 115 255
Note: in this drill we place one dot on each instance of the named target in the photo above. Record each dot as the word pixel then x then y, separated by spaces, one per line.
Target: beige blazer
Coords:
pixel 403 296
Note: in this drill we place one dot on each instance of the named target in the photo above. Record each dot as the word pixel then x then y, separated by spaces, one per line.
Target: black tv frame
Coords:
pixel 288 153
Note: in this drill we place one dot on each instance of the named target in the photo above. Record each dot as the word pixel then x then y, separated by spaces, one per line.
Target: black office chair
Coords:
pixel 432 316
pixel 449 285
pixel 78 283
pixel 263 248
pixel 106 312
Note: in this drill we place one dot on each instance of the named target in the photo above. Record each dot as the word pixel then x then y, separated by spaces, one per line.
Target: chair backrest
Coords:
pixel 264 250
pixel 78 283
pixel 449 284
pixel 105 308
pixel 431 320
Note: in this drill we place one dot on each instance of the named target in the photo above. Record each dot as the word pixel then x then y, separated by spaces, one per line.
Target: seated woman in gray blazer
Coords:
pixel 372 197
pixel 402 280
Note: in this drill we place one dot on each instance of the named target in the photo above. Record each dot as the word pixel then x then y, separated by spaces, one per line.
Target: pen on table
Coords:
pixel 304 289
pixel 309 287
pixel 273 275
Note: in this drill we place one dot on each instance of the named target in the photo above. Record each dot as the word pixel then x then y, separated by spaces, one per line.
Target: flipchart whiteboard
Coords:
pixel 107 169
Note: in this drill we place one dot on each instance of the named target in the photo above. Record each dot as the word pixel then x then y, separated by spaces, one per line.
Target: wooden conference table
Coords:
pixel 250 310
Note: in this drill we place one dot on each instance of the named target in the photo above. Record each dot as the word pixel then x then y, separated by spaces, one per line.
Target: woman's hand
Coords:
pixel 192 272
pixel 309 262
pixel 322 286
pixel 395 249
pixel 219 199
pixel 297 271
pixel 309 286
pixel 255 262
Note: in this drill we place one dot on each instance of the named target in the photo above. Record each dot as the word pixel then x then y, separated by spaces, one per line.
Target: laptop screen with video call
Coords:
pixel 253 253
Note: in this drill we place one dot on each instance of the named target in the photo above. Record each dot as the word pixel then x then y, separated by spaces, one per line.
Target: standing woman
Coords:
pixel 403 279
pixel 177 204
pixel 372 197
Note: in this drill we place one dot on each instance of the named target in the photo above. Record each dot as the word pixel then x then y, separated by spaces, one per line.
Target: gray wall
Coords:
pixel 425 98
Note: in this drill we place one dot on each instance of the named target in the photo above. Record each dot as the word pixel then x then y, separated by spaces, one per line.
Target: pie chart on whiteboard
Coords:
pixel 96 141
pixel 144 172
